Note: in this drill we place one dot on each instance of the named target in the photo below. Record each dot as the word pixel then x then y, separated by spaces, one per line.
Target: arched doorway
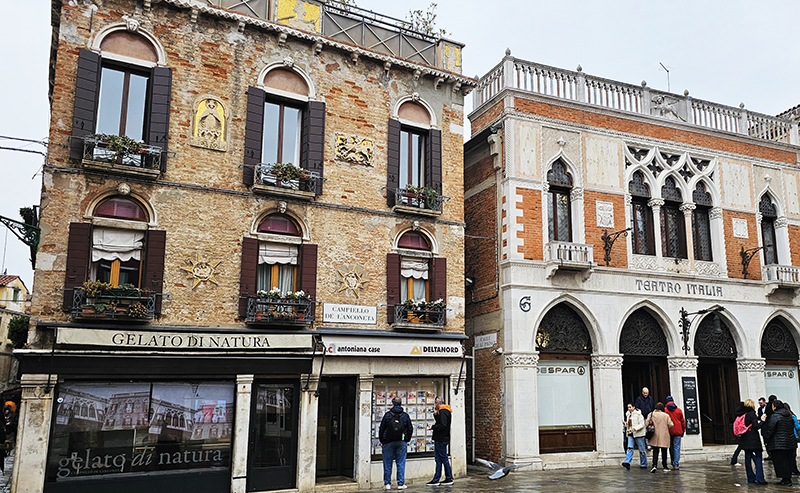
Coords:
pixel 645 350
pixel 717 379
pixel 564 382
pixel 779 349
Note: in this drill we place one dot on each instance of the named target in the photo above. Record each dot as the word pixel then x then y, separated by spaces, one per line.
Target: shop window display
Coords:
pixel 140 427
pixel 418 396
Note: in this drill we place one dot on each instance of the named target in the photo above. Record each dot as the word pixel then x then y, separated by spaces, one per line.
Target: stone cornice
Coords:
pixel 682 362
pixel 754 365
pixel 606 361
pixel 521 360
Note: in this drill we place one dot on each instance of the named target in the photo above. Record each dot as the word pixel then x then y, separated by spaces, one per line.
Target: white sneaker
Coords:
pixel 387 487
pixel 401 486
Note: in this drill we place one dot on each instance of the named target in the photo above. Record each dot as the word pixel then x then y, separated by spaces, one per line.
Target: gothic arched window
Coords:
pixel 558 202
pixel 673 225
pixel 642 215
pixel 769 213
pixel 563 331
pixel 701 223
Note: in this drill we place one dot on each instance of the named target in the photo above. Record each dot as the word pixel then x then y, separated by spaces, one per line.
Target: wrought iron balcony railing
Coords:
pixel 269 174
pixel 112 306
pixel 421 317
pixel 270 311
pixel 419 199
pixel 98 150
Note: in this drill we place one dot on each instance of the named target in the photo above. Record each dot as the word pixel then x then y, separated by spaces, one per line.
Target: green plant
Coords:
pixel 438 304
pixel 137 310
pixel 424 21
pixel 288 171
pixel 18 331
pixel 94 289
pixel 120 145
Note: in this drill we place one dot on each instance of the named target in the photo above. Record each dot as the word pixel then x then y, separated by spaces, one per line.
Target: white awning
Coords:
pixel 417 269
pixel 116 244
pixel 277 253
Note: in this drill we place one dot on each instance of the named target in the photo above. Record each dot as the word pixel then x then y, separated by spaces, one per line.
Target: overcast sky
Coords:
pixel 725 51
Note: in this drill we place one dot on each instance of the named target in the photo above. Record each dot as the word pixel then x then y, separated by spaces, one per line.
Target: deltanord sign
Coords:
pixel 159 341
pixel 385 346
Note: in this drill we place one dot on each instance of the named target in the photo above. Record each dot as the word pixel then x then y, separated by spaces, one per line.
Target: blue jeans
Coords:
pixel 758 476
pixel 394 451
pixel 639 442
pixel 675 450
pixel 440 453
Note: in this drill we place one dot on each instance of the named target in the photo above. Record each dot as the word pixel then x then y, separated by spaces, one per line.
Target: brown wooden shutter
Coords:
pixel 158 117
pixel 156 244
pixel 248 273
pixel 433 158
pixel 439 284
pixel 392 161
pixel 314 140
pixel 79 255
pixel 308 270
pixel 253 133
pixel 392 285
pixel 84 113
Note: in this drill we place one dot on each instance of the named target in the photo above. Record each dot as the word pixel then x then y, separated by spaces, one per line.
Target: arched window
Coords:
pixel 701 223
pixel 642 216
pixel 414 271
pixel 777 343
pixel 117 252
pixel 563 331
pixel 642 336
pixel 277 262
pixel 673 225
pixel 769 213
pixel 558 203
pixel 283 118
pixel 714 339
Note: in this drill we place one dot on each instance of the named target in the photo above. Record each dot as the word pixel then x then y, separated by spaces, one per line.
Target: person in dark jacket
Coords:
pixel 395 447
pixel 750 442
pixel 778 432
pixel 786 406
pixel 442 415
pixel 767 413
pixel 645 404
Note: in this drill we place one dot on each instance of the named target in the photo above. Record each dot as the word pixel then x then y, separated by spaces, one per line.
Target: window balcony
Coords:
pixel 781 277
pixel 286 180
pixel 279 312
pixel 419 318
pixel 567 256
pixel 419 200
pixel 114 154
pixel 118 304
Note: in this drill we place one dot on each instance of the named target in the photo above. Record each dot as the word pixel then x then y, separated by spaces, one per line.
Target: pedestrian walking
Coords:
pixel 762 407
pixel 395 433
pixel 442 415
pixel 635 431
pixel 767 413
pixel 786 406
pixel 778 433
pixel 740 411
pixel 645 404
pixel 661 421
pixel 676 432
pixel 750 442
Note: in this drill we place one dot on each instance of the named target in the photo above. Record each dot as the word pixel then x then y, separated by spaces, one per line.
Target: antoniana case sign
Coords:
pixel 135 339
pixel 390 346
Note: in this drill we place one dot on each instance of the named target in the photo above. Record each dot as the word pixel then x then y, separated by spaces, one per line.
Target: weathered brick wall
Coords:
pixel 619 253
pixel 531 220
pixel 794 243
pixel 487 117
pixel 733 245
pixel 350 222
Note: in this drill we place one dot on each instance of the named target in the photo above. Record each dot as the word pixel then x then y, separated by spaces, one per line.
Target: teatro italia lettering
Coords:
pixel 174 341
pixel 689 288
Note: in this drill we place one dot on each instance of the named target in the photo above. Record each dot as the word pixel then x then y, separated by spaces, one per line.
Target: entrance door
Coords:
pixel 718 393
pixel 641 371
pixel 336 427
pixel 273 436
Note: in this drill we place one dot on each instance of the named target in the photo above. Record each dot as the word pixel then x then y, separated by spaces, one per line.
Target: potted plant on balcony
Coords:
pixel 94 289
pixel 303 301
pixel 137 310
pixel 120 145
pixel 288 172
pixel 426 197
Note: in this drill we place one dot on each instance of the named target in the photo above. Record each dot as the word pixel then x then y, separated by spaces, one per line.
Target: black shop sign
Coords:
pixel 690 411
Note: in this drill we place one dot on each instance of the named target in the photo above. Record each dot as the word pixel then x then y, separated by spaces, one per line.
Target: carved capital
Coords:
pixel 606 362
pixel 521 360
pixel 753 365
pixel 576 194
pixel 687 208
pixel 682 362
pixel 545 187
pixel 628 199
pixel 655 203
pixel 781 222
pixel 715 213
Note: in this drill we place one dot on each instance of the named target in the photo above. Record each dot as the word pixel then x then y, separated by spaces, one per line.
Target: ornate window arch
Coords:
pixel 673 224
pixel 128 42
pixel 701 222
pixel 778 343
pixel 562 330
pixel 769 215
pixel 559 202
pixel 643 241
pixel 714 339
pixel 642 335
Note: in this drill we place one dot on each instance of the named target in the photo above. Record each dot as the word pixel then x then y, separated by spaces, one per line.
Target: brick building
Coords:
pixel 252 239
pixel 603 218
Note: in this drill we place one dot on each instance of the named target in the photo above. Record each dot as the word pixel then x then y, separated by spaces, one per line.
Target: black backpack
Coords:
pixel 396 429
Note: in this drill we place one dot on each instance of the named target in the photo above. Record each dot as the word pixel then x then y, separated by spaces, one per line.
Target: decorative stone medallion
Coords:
pixel 605 214
pixel 201 270
pixel 351 279
pixel 210 123
pixel 739 228
pixel 354 149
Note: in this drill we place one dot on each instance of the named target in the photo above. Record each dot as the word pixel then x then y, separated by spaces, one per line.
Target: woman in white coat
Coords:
pixel 635 430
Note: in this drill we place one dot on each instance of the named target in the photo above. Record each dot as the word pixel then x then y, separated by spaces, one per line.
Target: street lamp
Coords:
pixel 686 324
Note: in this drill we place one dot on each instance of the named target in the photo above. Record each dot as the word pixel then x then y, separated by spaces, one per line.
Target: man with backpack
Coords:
pixel 395 433
pixel 676 432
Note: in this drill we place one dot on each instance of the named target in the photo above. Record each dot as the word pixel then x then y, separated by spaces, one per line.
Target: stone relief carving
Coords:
pixel 676 265
pixel 521 360
pixel 354 149
pixel 756 365
pixel 740 228
pixel 665 108
pixel 607 362
pixel 201 270
pixel 644 262
pixel 210 118
pixel 707 268
pixel 781 222
pixel 715 213
pixel 682 363
pixel 351 279
pixel 605 214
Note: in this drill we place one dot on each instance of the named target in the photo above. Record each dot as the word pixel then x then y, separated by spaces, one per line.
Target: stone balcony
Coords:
pixel 567 256
pixel 786 277
pixel 578 87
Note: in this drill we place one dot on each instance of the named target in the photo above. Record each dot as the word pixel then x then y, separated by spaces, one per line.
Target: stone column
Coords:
pixel 655 206
pixel 33 432
pixel 718 239
pixel 679 367
pixel 578 226
pixel 688 209
pixel 458 427
pixel 609 407
pixel 307 436
pixel 364 432
pixel 241 437
pixel 752 382
pixel 521 428
pixel 782 241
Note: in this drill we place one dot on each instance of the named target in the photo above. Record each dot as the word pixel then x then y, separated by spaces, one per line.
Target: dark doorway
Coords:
pixel 644 348
pixel 273 436
pixel 336 427
pixel 718 393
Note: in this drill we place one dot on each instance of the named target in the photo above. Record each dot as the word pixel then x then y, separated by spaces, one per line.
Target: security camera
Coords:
pixel 498 351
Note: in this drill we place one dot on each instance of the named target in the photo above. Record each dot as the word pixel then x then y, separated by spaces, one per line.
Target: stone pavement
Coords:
pixel 714 477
